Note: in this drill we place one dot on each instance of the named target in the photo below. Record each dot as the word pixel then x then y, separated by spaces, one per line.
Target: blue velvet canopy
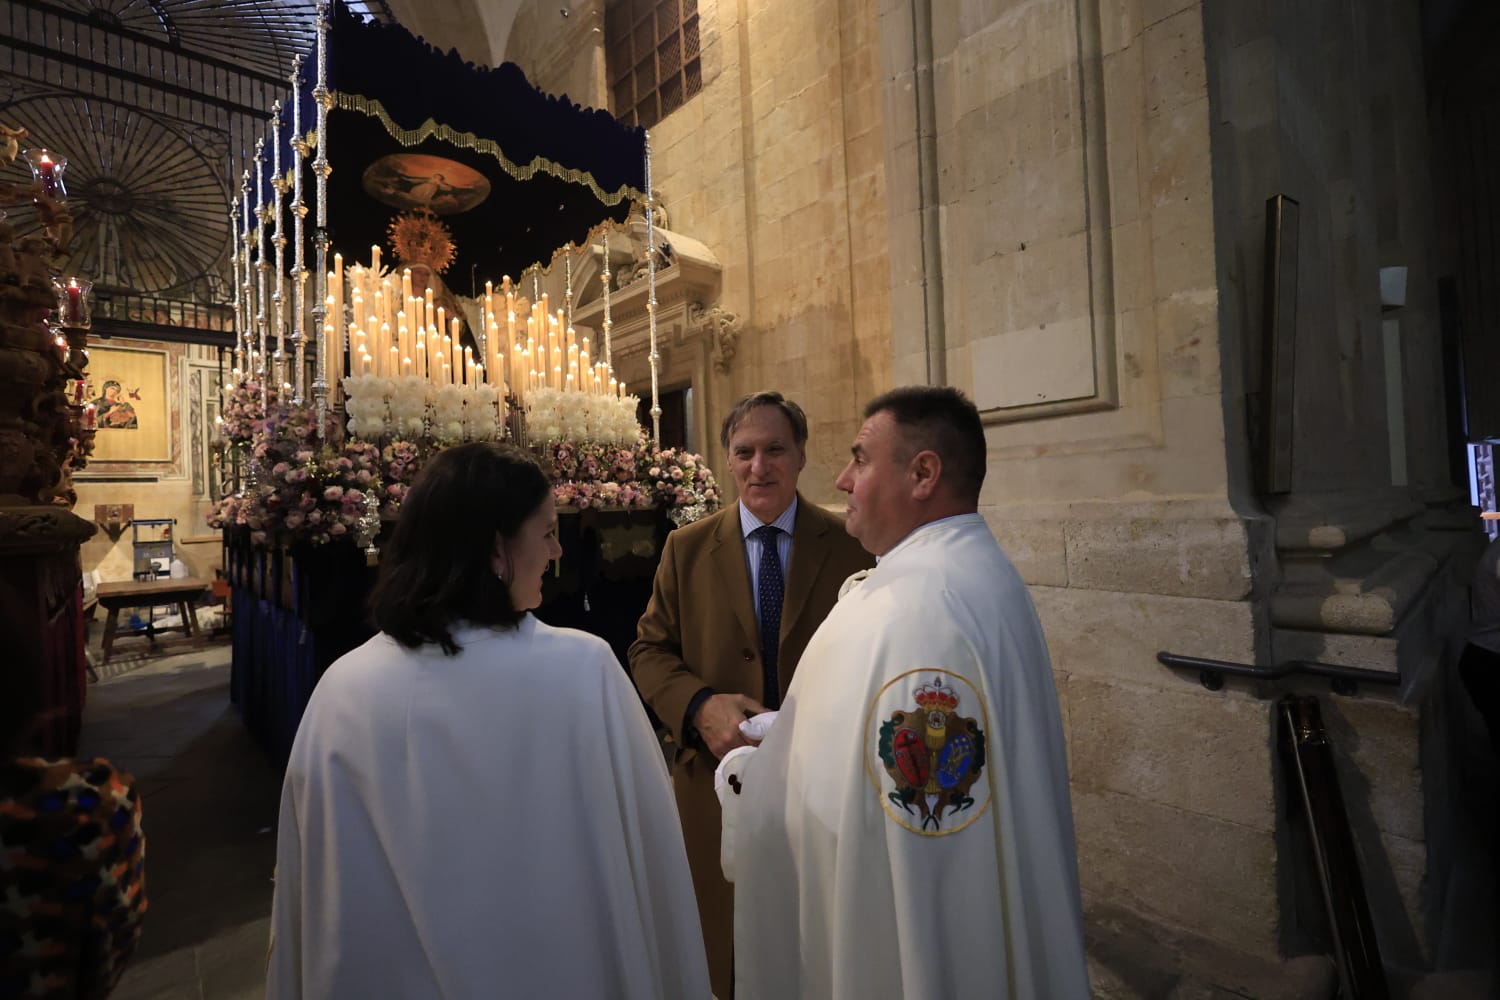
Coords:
pixel 514 173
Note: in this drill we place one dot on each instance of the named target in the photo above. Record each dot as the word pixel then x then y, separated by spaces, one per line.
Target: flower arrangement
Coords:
pixel 318 493
pixel 680 481
pixel 243 411
pixel 308 495
pixel 400 461
pixel 596 475
pixel 565 415
pixel 381 407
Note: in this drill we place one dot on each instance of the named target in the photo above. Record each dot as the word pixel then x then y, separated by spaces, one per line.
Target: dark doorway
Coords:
pixel 674 408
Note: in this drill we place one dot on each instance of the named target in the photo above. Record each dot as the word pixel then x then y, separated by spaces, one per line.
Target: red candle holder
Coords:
pixel 47 170
pixel 74 304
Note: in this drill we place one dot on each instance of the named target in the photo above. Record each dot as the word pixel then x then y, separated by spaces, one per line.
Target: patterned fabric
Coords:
pixel 72 891
pixel 772 592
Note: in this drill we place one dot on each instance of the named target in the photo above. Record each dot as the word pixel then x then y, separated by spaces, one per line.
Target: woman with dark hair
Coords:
pixel 475 804
pixel 72 854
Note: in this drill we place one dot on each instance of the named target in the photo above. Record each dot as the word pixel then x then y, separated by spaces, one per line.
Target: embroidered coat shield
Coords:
pixel 934 755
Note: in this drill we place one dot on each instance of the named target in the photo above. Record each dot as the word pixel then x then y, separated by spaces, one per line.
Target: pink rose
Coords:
pixel 333 493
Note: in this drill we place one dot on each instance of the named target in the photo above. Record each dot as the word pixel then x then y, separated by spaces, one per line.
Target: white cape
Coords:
pixel 905 830
pixel 498 823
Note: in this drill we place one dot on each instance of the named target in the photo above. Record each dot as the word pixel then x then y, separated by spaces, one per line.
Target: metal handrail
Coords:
pixel 1211 672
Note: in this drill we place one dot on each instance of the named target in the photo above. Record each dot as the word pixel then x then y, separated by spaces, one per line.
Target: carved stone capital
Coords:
pixel 722 330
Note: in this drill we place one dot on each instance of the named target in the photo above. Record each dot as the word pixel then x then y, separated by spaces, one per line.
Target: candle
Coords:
pixel 47 171
pixel 73 314
pixel 375 259
pixel 90 417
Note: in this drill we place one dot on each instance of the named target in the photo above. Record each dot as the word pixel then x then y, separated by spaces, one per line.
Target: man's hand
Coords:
pixel 718 721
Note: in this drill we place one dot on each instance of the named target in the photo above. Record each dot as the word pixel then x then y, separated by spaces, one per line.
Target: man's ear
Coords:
pixel 926 470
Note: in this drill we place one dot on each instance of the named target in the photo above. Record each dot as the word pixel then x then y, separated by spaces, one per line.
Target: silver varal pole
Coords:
pixel 568 286
pixel 299 264
pixel 651 298
pixel 245 276
pixel 262 217
pixel 609 361
pixel 278 241
pixel 239 306
pixel 320 219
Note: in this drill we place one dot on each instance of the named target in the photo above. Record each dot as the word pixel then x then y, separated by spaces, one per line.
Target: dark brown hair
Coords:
pixel 789 409
pixel 940 419
pixel 438 567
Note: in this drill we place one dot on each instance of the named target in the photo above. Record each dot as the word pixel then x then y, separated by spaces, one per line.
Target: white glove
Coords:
pixel 756 727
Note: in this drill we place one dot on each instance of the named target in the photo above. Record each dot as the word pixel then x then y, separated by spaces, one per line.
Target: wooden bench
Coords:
pixel 182 592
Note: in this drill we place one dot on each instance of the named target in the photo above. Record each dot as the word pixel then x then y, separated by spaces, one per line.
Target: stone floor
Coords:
pixel 209 800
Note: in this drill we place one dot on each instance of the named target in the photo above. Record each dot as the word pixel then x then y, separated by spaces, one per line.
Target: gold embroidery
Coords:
pixel 488 147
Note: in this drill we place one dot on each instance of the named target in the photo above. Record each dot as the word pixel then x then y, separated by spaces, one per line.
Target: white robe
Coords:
pixel 843 889
pixel 498 823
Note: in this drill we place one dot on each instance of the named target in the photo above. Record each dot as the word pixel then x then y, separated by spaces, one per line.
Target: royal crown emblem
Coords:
pixel 934 756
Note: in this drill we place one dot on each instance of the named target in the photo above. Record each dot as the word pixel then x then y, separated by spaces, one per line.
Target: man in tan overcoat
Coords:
pixel 759 575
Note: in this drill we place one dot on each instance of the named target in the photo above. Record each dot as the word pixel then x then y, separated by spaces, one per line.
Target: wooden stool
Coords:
pixel 182 592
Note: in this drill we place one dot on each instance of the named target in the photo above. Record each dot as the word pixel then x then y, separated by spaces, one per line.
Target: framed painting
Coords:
pixel 128 387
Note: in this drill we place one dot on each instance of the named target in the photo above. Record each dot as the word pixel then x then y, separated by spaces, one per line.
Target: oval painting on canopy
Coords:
pixel 418 181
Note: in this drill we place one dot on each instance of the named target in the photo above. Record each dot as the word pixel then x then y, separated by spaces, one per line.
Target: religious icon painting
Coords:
pixel 419 182
pixel 925 751
pixel 128 389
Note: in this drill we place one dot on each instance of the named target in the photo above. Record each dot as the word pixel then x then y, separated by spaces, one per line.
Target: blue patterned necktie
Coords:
pixel 771 591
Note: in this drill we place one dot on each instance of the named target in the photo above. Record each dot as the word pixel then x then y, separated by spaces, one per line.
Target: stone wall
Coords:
pixel 561 48
pixel 1329 110
pixel 1327 105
